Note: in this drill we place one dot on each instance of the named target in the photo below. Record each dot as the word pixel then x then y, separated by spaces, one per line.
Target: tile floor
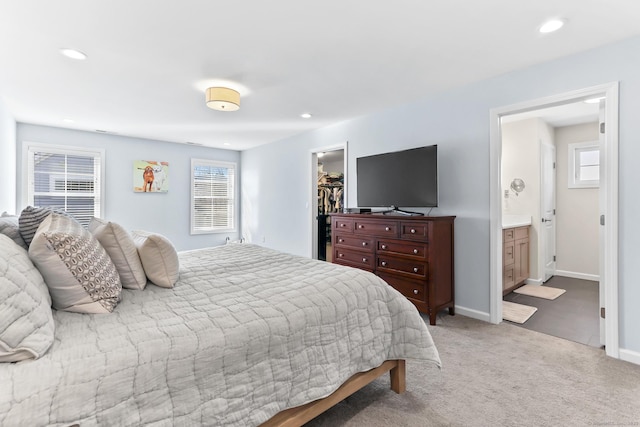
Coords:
pixel 574 315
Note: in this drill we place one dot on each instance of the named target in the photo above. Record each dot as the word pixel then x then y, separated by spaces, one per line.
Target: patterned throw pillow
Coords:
pixel 9 227
pixel 122 251
pixel 30 220
pixel 159 258
pixel 26 323
pixel 80 275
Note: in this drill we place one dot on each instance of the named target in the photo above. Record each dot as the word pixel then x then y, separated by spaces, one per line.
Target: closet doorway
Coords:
pixel 328 194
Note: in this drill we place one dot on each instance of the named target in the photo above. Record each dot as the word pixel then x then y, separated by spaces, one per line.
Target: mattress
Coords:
pixel 245 333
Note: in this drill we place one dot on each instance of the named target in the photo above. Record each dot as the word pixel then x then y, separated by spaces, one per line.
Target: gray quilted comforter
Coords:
pixel 245 333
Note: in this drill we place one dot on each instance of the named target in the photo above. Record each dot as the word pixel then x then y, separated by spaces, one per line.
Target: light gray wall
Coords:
pixel 7 163
pixel 458 121
pixel 578 210
pixel 165 213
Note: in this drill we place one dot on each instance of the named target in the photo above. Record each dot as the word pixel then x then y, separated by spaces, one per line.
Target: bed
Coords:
pixel 245 335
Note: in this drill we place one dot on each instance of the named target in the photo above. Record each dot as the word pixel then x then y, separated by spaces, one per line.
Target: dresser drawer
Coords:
pixel 343 225
pixel 409 288
pixel 418 250
pixel 416 269
pixel 354 258
pixel 355 242
pixel 377 228
pixel 413 231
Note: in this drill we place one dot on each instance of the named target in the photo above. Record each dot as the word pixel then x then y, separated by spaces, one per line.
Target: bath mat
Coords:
pixel 540 291
pixel 517 313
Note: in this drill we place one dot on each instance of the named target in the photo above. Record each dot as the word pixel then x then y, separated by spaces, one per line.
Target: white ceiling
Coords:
pixel 149 61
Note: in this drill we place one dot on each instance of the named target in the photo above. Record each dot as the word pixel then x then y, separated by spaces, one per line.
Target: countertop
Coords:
pixel 512 221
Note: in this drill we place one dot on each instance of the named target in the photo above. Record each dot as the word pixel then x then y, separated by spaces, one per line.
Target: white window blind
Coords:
pixel 65 178
pixel 213 201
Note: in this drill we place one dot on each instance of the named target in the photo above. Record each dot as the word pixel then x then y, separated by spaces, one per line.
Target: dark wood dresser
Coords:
pixel 414 254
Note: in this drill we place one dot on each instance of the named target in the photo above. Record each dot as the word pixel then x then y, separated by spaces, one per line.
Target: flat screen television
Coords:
pixel 407 179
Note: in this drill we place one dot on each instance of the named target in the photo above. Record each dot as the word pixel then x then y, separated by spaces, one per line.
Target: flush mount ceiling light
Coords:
pixel 551 25
pixel 73 54
pixel 305 115
pixel 223 99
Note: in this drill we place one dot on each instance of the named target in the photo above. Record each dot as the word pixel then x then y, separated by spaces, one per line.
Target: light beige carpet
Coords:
pixel 498 376
pixel 545 292
pixel 517 313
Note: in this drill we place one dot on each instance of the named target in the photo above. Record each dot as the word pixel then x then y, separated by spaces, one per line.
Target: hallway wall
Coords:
pixel 578 211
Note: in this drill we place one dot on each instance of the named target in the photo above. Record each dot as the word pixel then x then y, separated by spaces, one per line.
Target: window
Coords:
pixel 65 178
pixel 213 201
pixel 584 165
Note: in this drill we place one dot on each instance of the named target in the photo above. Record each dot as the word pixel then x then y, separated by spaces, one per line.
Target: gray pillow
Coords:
pixel 122 251
pixel 30 220
pixel 9 227
pixel 26 322
pixel 80 275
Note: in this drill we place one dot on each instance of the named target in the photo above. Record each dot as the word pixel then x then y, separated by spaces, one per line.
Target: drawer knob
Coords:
pixel 364 260
pixel 384 263
pixel 415 269
pixel 384 246
pixel 343 225
pixel 415 292
pixel 413 231
pixel 415 251
pixel 340 240
pixel 361 226
pixel 340 255
pixel 387 229
pixel 364 243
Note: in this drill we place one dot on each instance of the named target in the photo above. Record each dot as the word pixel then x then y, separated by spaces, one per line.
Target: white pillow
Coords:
pixel 26 323
pixel 77 270
pixel 122 251
pixel 159 258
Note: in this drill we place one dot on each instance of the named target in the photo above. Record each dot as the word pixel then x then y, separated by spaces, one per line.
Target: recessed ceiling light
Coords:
pixel 68 120
pixel 227 143
pixel 595 100
pixel 305 115
pixel 551 25
pixel 73 54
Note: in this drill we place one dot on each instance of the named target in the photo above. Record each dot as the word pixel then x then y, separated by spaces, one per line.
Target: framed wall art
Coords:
pixel 150 176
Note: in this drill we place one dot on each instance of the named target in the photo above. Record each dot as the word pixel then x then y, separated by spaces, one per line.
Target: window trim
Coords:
pixel 28 146
pixel 573 157
pixel 214 163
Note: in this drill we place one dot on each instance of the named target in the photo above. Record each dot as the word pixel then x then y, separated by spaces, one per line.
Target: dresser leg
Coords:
pixel 452 310
pixel 432 317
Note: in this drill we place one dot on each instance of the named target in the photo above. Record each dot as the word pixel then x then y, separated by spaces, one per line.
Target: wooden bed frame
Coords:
pixel 299 415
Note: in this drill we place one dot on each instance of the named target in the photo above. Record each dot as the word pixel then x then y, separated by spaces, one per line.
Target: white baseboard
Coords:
pixel 474 314
pixel 630 356
pixel 575 275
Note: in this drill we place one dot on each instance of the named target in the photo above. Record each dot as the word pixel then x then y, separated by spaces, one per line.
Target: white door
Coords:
pixel 548 214
pixel 602 208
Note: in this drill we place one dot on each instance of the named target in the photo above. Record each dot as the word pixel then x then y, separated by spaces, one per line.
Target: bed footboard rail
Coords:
pixel 299 415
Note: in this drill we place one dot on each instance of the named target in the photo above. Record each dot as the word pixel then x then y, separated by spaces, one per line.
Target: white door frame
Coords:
pixel 314 188
pixel 608 248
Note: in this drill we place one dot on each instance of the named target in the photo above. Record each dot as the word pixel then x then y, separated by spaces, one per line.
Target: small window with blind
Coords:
pixel 584 165
pixel 213 199
pixel 65 178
